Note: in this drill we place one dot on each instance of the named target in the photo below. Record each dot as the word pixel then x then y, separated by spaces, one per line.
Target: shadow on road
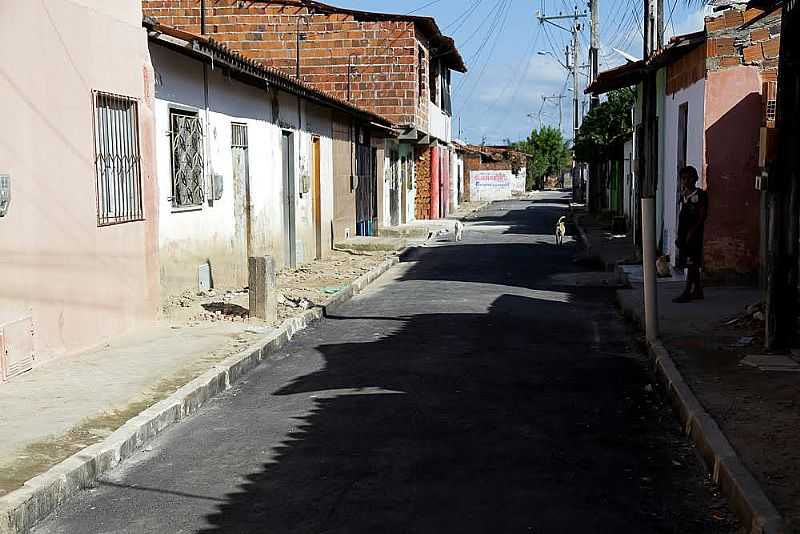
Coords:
pixel 476 422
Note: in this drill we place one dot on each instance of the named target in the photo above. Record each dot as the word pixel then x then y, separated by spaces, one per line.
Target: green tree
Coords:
pixel 551 156
pixel 605 126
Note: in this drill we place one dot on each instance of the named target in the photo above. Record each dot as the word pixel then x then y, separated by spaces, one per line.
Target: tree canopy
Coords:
pixel 551 156
pixel 604 126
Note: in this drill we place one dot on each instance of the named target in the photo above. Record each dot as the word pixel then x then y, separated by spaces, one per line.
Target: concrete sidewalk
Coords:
pixel 73 402
pixel 707 340
pixel 57 409
pixel 756 410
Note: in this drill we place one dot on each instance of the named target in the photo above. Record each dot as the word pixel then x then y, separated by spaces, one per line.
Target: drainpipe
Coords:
pixel 202 17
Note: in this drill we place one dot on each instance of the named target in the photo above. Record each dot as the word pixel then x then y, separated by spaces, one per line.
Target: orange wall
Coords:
pixel 733 120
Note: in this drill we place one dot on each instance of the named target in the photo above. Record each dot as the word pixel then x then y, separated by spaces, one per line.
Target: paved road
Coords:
pixel 464 393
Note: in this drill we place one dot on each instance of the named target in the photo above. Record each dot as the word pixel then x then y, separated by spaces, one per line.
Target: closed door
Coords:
pixel 290 241
pixel 317 194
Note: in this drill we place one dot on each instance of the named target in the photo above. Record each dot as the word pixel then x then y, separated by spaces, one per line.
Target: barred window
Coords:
pixel 186 134
pixel 117 159
pixel 770 95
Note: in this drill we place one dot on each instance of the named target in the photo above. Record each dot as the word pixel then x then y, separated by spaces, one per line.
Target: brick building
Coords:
pixel 717 100
pixel 398 66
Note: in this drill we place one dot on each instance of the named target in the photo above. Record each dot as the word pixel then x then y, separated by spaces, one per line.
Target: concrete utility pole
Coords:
pixel 574 30
pixel 649 172
pixel 594 50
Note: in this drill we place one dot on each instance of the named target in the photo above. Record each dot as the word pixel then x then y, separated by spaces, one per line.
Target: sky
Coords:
pixel 510 56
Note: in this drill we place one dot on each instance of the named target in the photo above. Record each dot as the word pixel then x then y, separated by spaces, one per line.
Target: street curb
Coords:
pixel 22 509
pixel 749 502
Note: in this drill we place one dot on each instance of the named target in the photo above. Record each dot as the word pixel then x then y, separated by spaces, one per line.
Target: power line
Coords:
pixel 489 34
pixel 420 8
pixel 462 19
pixel 522 74
pixel 491 51
pixel 488 15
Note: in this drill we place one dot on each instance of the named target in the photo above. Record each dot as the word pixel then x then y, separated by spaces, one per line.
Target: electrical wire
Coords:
pixel 462 19
pixel 488 38
pixel 420 8
pixel 491 52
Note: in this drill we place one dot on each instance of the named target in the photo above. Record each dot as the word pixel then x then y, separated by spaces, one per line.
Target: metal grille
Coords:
pixel 770 100
pixel 117 159
pixel 187 159
pixel 238 135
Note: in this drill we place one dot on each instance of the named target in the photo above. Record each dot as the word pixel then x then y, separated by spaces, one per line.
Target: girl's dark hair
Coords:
pixel 691 172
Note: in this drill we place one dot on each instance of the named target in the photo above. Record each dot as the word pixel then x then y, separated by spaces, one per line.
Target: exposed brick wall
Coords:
pixel 422 202
pixel 384 53
pixel 686 70
pixel 744 36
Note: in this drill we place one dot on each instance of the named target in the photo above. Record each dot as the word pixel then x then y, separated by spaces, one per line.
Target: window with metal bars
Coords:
pixel 117 159
pixel 770 95
pixel 186 134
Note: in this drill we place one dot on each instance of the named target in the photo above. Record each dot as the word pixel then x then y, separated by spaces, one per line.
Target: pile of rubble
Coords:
pixel 300 289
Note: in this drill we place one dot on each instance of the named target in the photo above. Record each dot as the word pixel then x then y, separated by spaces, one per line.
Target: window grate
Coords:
pixel 770 100
pixel 238 135
pixel 187 159
pixel 117 159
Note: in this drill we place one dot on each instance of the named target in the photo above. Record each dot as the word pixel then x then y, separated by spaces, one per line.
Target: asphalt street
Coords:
pixel 466 391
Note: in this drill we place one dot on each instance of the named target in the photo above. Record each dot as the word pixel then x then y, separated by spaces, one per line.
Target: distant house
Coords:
pixel 79 234
pixel 245 162
pixel 717 92
pixel 397 66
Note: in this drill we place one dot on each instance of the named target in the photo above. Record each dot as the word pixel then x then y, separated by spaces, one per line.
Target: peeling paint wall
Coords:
pixel 208 233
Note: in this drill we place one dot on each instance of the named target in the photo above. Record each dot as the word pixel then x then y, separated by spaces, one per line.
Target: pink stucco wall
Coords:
pixel 733 119
pixel 80 283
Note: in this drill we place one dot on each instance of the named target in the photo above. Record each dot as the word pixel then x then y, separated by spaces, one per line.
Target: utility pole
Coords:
pixel 649 171
pixel 574 29
pixel 783 194
pixel 594 50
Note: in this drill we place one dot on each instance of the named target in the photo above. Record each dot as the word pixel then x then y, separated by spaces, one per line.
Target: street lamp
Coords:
pixel 548 53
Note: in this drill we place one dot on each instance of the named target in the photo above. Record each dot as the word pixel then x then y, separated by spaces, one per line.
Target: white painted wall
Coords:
pixel 191 237
pixel 518 180
pixel 694 95
pixel 456 170
pixel 490 185
pixel 439 123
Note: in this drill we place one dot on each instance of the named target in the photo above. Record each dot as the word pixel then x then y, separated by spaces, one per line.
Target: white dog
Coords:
pixel 561 230
pixel 459 231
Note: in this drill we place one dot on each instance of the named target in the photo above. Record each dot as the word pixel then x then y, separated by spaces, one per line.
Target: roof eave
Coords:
pixel 206 49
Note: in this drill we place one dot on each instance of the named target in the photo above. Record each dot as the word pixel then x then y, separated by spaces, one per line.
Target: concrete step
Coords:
pixel 372 244
pixel 417 229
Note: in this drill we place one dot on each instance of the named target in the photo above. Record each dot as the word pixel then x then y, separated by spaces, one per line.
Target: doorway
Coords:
pixel 394 188
pixel 290 241
pixel 404 179
pixel 241 185
pixel 317 194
